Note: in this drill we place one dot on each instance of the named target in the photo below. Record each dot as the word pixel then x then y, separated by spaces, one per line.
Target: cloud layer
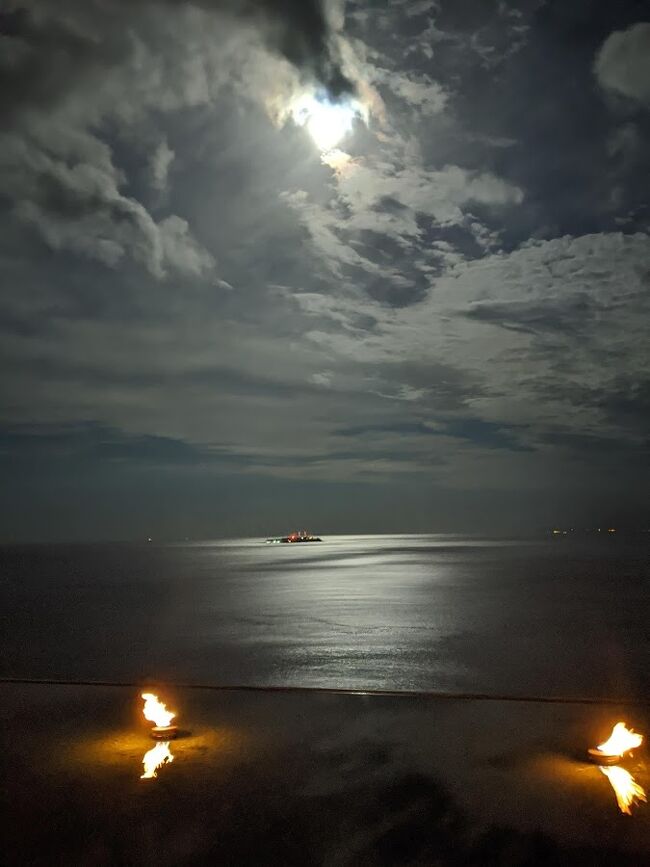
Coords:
pixel 623 63
pixel 451 305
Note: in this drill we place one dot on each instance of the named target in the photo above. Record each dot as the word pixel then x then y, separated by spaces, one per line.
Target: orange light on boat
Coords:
pixel 628 792
pixel 621 741
pixel 156 712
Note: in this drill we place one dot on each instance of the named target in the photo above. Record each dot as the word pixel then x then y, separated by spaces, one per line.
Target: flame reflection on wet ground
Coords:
pixel 155 758
pixel 581 782
pixel 121 749
pixel 628 792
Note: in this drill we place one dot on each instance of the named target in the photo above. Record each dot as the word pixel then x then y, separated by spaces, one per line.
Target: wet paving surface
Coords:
pixel 257 778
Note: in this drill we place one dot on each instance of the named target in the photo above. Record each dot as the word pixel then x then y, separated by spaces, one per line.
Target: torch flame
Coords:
pixel 155 758
pixel 155 711
pixel 621 741
pixel 626 789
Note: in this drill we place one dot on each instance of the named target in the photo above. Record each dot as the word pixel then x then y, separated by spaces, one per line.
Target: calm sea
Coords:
pixel 407 612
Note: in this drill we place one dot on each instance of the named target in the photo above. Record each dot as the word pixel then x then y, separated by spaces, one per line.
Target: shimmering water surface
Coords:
pixel 406 612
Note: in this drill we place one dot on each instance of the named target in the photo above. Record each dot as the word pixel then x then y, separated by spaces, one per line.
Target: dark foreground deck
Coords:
pixel 311 780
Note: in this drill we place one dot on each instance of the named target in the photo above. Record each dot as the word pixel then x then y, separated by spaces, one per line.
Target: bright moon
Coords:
pixel 326 122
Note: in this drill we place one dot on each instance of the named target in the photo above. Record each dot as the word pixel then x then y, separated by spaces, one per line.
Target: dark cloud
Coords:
pixel 591 449
pixel 61 86
pixel 628 403
pixel 74 78
pixel 416 428
pixel 396 288
pixel 43 54
pixel 623 65
pixel 444 386
pixel 485 433
pixel 300 31
pixel 457 237
pixel 523 76
pixel 535 317
pixel 94 443
pixel 474 430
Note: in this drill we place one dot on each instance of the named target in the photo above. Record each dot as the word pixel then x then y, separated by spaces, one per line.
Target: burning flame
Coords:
pixel 626 789
pixel 621 741
pixel 155 711
pixel 156 758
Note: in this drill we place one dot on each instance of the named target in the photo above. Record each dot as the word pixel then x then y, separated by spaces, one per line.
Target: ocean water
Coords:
pixel 454 613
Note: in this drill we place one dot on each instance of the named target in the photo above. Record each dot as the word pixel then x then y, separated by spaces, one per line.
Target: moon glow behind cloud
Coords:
pixel 327 122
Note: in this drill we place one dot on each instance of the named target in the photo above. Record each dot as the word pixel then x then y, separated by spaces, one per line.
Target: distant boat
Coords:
pixel 302 536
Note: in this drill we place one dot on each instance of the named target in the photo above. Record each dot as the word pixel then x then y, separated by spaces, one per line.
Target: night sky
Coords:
pixel 214 322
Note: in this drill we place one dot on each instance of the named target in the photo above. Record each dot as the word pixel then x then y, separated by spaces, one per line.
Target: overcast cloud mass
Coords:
pixel 211 326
